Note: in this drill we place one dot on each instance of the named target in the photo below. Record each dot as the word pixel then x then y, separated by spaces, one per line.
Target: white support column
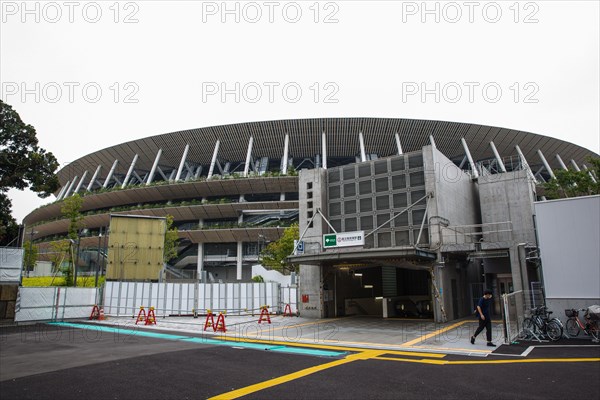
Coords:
pixel 324 150
pixel 200 262
pixel 63 190
pixel 574 164
pixel 68 192
pixel 182 162
pixel 286 146
pixel 589 173
pixel 153 170
pixel 213 160
pixel 240 248
pixel 198 172
pixel 172 175
pixel 361 141
pixel 398 145
pixel 546 165
pixel 560 161
pixel 248 156
pixel 110 173
pixel 468 154
pixel 81 181
pixel 525 163
pixel 498 158
pixel 433 141
pixel 131 167
pixel 93 180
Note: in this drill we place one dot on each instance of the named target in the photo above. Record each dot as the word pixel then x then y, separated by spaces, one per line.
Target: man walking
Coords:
pixel 485 321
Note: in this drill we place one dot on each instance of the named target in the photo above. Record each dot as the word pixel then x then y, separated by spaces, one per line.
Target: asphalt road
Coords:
pixel 42 361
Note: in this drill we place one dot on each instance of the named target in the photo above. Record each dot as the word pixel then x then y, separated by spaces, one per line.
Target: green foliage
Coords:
pixel 44 281
pixel 70 209
pixel 23 164
pixel 570 183
pixel 9 229
pixel 171 238
pixel 275 254
pixel 31 255
pixel 258 279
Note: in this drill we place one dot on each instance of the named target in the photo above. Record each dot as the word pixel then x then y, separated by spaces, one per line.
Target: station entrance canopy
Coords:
pixel 385 256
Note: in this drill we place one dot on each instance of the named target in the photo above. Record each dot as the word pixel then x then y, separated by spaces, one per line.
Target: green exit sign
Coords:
pixel 330 240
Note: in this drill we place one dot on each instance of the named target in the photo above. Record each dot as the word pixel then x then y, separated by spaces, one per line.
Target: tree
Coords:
pixel 171 237
pixel 23 164
pixel 275 254
pixel 70 209
pixel 570 183
pixel 30 256
pixel 9 229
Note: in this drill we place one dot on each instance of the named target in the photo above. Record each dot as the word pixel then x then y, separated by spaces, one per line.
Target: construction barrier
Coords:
pixel 151 318
pixel 141 317
pixel 264 313
pixel 287 312
pixel 219 326
pixel 97 313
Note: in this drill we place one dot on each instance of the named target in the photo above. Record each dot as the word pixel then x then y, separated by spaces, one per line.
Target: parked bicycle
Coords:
pixel 574 324
pixel 541 326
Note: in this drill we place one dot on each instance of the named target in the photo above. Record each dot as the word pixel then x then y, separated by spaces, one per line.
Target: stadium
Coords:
pixel 425 194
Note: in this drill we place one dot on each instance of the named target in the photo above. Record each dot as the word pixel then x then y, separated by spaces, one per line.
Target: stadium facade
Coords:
pixel 445 208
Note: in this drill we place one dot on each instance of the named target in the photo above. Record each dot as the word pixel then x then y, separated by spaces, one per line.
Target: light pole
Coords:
pixel 30 257
pixel 98 257
pixel 79 234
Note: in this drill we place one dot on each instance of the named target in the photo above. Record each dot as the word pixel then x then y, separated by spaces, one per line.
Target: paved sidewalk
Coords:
pixel 355 332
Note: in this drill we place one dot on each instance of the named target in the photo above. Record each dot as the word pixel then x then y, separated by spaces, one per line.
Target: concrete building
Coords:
pixel 445 208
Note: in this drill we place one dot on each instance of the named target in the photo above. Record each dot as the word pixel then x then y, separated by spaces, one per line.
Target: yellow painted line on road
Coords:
pixel 234 394
pixel 455 349
pixel 329 347
pixel 478 362
pixel 433 334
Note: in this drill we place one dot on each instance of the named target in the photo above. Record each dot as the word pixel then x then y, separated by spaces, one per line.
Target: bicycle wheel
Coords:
pixel 554 331
pixel 528 327
pixel 572 327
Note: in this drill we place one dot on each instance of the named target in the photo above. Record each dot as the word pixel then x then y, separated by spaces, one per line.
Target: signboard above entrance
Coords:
pixel 343 239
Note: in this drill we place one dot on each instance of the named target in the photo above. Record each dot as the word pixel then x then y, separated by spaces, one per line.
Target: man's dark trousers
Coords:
pixel 487 324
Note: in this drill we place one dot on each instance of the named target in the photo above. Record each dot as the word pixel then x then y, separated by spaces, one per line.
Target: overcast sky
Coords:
pixel 88 75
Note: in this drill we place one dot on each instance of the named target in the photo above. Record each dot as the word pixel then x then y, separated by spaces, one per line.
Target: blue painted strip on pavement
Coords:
pixel 168 336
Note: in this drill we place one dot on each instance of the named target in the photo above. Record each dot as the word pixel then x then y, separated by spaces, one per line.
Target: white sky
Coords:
pixel 542 55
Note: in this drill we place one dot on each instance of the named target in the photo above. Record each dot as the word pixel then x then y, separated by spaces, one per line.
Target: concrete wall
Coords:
pixel 456 200
pixel 455 194
pixel 508 197
pixel 312 189
pixel 569 234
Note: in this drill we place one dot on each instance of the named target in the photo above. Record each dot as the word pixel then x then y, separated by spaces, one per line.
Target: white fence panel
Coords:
pixel 40 304
pixel 125 298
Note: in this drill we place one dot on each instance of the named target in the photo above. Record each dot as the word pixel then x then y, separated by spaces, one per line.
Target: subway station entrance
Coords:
pixel 398 283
